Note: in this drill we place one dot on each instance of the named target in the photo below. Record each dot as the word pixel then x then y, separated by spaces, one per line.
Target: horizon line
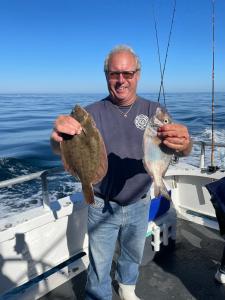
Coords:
pixel 87 93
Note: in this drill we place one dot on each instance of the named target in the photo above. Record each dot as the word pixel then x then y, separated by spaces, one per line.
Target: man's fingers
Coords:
pixel 172 133
pixel 176 140
pixel 175 136
pixel 176 143
pixel 56 137
pixel 67 125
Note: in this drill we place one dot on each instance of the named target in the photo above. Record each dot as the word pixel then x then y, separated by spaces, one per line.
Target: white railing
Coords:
pixel 45 173
pixel 37 175
pixel 203 146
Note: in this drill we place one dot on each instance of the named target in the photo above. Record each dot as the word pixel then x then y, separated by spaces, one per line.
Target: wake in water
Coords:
pixel 21 197
pixel 219 152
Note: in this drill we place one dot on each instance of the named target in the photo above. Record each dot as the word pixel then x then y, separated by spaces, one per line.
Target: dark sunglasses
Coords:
pixel 125 74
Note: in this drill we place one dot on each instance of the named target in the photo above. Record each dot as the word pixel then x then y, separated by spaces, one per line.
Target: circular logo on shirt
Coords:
pixel 141 121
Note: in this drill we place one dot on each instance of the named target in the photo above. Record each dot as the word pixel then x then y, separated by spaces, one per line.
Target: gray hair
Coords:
pixel 121 48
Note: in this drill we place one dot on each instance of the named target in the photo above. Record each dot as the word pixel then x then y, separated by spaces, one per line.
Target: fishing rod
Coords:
pixel 162 71
pixel 213 168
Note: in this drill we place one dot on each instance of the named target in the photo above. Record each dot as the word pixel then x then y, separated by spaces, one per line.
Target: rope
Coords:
pixel 162 72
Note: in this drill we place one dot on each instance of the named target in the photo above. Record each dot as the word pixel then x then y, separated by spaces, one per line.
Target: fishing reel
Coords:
pixel 212 169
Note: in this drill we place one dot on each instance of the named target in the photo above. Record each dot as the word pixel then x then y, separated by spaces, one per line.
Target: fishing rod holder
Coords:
pixel 203 145
pixel 212 169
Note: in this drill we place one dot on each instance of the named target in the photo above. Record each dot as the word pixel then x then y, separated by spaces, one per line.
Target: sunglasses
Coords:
pixel 125 74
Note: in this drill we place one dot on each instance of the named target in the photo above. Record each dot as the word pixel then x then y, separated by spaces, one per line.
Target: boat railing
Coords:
pixel 203 146
pixel 42 175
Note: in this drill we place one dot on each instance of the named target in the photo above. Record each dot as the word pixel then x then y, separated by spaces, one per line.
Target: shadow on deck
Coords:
pixel 185 271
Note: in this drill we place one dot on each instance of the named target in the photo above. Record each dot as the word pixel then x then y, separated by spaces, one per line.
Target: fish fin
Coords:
pixel 161 190
pixel 88 194
pixel 69 169
pixel 84 131
pixel 156 190
pixel 103 166
pixel 76 176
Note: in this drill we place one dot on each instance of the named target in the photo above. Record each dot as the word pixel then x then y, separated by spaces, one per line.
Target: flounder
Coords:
pixel 84 155
pixel 157 156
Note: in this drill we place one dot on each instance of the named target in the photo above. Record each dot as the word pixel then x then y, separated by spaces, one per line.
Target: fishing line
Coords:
pixel 159 56
pixel 213 73
pixel 162 72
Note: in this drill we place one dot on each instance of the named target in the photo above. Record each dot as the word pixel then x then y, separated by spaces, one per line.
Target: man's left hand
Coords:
pixel 176 136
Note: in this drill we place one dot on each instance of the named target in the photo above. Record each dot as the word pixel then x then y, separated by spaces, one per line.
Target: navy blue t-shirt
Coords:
pixel 126 180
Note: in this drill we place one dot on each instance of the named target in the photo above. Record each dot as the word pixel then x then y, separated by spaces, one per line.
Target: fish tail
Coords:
pixel 160 189
pixel 88 194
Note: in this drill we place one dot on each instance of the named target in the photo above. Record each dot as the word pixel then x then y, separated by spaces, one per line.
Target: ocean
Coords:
pixel 26 121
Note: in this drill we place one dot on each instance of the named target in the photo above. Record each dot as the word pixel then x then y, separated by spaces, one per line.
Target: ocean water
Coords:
pixel 26 121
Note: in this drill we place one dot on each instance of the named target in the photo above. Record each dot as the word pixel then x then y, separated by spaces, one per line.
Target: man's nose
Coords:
pixel 121 78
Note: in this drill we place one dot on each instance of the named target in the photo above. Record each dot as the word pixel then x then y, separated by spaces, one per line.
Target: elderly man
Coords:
pixel 121 198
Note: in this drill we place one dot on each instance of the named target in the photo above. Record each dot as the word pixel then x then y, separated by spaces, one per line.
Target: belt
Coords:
pixel 104 198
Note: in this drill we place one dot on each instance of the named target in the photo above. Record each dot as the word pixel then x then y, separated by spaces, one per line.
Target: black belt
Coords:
pixel 104 198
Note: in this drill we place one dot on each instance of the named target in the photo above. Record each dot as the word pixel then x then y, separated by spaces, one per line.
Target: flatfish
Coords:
pixel 157 156
pixel 84 155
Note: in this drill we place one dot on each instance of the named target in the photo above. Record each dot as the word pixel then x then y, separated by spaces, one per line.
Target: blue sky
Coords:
pixel 60 45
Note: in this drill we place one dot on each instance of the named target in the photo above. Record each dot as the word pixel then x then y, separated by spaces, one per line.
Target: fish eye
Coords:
pixel 166 121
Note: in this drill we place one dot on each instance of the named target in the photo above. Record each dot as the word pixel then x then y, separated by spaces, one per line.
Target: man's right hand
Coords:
pixel 65 124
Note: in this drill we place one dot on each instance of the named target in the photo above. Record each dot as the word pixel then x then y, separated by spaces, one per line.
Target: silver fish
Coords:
pixel 157 156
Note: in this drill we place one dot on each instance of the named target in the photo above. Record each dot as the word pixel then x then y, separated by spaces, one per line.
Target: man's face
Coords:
pixel 121 89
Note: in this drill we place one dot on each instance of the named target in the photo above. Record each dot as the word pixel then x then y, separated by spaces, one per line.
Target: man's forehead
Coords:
pixel 122 57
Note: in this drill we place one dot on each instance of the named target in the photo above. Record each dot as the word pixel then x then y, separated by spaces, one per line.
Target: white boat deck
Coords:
pixel 39 240
pixel 183 272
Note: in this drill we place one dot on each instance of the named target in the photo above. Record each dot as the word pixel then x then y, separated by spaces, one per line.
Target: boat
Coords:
pixel 46 248
pixel 44 251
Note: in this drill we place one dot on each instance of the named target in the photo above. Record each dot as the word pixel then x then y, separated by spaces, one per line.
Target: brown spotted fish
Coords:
pixel 157 156
pixel 84 155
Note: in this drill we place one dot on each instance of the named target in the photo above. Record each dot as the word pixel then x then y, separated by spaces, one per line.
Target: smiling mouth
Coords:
pixel 120 89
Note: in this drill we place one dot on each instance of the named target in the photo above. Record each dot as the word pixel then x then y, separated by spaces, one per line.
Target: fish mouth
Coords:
pixel 155 123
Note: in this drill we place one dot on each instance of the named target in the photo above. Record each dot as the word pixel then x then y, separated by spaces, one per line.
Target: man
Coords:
pixel 217 191
pixel 121 198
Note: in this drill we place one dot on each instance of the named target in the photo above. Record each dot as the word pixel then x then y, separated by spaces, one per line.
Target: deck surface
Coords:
pixel 185 271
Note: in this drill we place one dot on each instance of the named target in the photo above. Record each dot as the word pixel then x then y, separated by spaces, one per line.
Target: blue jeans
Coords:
pixel 108 221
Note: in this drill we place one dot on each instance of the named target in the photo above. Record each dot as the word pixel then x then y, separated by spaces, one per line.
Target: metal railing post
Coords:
pixel 202 156
pixel 45 195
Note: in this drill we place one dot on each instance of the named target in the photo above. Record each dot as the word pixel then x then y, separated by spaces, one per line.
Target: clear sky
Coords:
pixel 60 45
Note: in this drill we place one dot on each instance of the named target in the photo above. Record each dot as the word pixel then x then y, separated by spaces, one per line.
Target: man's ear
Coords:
pixel 138 75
